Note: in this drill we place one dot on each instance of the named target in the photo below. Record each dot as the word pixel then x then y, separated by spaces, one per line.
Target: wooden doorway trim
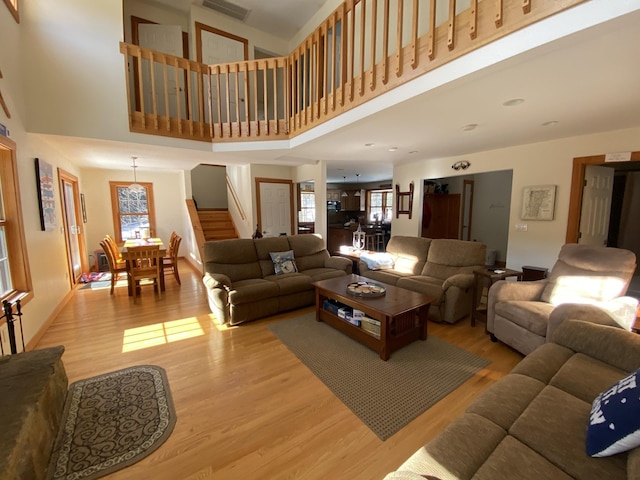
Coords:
pixel 64 176
pixel 260 180
pixel 577 183
pixel 471 184
pixel 135 39
pixel 200 27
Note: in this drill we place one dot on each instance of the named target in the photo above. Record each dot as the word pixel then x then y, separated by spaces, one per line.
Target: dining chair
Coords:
pixel 170 260
pixel 116 268
pixel 114 249
pixel 143 263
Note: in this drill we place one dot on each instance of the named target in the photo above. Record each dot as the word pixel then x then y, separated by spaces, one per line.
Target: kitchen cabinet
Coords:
pixel 334 195
pixel 352 202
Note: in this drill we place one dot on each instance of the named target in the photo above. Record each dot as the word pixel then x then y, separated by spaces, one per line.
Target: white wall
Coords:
pixel 209 186
pixel 534 164
pixel 168 194
pixel 255 38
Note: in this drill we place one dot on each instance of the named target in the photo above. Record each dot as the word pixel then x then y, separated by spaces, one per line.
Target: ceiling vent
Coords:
pixel 227 8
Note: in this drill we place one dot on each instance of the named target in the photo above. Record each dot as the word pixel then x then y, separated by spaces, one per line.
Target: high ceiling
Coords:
pixel 587 82
pixel 282 18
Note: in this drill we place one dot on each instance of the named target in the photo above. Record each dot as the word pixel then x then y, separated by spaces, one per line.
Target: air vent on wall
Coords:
pixel 227 8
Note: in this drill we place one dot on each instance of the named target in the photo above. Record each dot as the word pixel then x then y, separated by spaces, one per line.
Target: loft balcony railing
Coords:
pixel 362 50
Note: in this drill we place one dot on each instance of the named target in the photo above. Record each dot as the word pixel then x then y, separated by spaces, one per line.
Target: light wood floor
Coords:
pixel 246 407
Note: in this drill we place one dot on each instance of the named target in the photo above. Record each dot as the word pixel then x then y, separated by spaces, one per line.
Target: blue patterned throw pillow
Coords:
pixel 283 262
pixel 614 423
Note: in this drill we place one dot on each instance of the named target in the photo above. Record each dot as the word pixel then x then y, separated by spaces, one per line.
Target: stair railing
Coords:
pixel 362 50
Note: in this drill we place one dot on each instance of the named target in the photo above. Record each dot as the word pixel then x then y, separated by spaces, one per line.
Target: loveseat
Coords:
pixel 242 282
pixel 532 424
pixel 442 268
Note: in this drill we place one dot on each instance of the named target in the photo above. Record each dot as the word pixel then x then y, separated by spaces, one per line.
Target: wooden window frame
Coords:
pixel 385 193
pixel 115 208
pixel 14 8
pixel 301 209
pixel 14 225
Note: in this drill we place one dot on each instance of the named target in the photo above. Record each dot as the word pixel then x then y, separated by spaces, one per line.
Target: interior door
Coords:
pixel 72 225
pixel 275 207
pixel 166 39
pixel 217 48
pixel 596 205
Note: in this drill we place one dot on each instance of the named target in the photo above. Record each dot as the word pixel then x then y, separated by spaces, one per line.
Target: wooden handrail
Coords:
pixel 235 198
pixel 362 50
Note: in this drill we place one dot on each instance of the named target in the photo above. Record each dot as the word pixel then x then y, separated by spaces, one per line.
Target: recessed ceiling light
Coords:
pixel 550 123
pixel 412 152
pixel 393 149
pixel 469 127
pixel 369 144
pixel 513 102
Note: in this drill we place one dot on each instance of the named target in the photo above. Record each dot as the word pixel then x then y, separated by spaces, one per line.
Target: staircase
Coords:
pixel 217 224
pixel 210 225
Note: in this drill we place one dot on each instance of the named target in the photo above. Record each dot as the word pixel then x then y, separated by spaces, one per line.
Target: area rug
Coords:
pixel 386 396
pixel 111 421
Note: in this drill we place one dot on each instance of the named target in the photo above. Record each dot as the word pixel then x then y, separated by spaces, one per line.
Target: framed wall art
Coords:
pixel 46 199
pixel 538 202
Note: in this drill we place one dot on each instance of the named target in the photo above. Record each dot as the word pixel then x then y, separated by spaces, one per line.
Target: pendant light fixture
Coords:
pixel 344 192
pixel 357 194
pixel 135 187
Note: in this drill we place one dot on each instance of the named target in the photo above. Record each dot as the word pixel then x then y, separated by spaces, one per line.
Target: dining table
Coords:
pixel 144 242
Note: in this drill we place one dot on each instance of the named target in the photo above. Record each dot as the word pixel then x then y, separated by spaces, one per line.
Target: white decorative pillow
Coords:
pixel 283 262
pixel 614 422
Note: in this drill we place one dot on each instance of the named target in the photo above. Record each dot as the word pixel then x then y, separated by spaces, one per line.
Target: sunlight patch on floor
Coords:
pixel 160 334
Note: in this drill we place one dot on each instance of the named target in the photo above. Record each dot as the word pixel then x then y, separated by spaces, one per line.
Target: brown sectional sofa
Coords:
pixel 242 284
pixel 532 423
pixel 442 268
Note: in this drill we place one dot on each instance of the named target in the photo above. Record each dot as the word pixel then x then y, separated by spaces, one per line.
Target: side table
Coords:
pixel 482 277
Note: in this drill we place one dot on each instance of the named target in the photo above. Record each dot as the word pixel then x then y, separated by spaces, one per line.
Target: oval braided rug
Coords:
pixel 384 395
pixel 111 421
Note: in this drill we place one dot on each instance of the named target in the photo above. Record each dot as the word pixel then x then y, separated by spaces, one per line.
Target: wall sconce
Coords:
pixel 463 165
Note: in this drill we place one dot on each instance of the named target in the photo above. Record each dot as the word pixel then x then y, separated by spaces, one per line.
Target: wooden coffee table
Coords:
pixel 402 313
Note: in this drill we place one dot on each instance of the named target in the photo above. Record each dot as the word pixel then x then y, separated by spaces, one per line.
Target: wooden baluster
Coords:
pixel 237 93
pixel 499 8
pixel 374 24
pixel 385 44
pixel 127 58
pixel 165 78
pixel 473 21
pixel 399 58
pixel 256 70
pixel 334 63
pixel 219 100
pixel 344 54
pixel 526 6
pixel 154 101
pixel 275 97
pixel 140 86
pixel 228 102
pixel 189 111
pixel 200 100
pixel 303 80
pixel 312 79
pixel 452 25
pixel 210 102
pixel 296 91
pixel 432 29
pixel 363 22
pixel 325 64
pixel 287 96
pixel 247 98
pixel 414 36
pixel 265 104
pixel 352 48
pixel 179 107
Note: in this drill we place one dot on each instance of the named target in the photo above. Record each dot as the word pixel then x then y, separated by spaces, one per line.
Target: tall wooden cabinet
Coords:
pixel 441 215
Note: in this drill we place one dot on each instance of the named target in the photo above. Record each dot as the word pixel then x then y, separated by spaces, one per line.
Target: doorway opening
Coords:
pixel 625 201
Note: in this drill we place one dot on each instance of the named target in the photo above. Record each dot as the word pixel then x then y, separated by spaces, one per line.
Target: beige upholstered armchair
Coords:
pixel 586 283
